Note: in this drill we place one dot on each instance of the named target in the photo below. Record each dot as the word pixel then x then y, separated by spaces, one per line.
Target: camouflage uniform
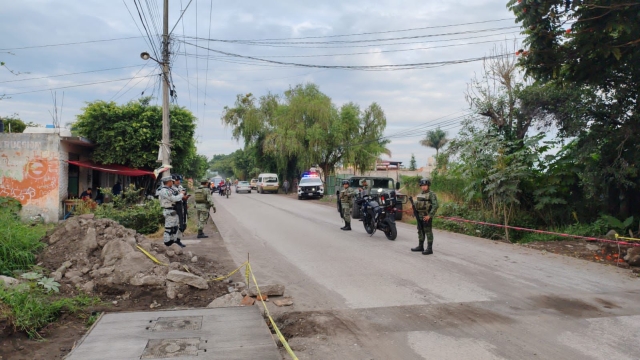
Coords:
pixel 168 198
pixel 346 200
pixel 426 204
pixel 204 201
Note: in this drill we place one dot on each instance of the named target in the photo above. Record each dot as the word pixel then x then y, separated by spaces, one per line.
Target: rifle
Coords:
pixel 339 205
pixel 419 221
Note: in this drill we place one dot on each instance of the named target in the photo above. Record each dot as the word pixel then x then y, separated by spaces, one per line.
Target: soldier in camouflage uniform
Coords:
pixel 181 207
pixel 204 201
pixel 426 205
pixel 346 200
pixel 168 199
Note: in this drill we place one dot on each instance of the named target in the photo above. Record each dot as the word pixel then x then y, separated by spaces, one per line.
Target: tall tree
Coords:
pixel 412 163
pixel 129 134
pixel 435 139
pixel 591 51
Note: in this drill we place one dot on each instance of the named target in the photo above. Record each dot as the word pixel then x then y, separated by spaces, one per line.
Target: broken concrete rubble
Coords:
pixel 232 299
pixel 187 279
pixel 269 290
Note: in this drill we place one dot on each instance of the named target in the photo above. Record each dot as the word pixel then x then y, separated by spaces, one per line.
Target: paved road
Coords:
pixel 372 298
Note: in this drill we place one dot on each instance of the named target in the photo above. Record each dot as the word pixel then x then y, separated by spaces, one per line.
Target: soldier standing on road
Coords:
pixel 426 205
pixel 365 189
pixel 204 201
pixel 168 200
pixel 346 199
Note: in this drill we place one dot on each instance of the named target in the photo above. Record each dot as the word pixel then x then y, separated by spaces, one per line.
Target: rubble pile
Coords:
pixel 101 256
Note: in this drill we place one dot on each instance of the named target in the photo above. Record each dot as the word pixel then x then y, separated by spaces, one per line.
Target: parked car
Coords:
pixel 243 186
pixel 254 184
pixel 267 183
pixel 310 187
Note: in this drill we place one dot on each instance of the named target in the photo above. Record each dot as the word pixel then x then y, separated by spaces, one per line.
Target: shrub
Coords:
pixel 144 218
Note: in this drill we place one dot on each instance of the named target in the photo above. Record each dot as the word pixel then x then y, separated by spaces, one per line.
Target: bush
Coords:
pixel 29 308
pixel 20 241
pixel 144 218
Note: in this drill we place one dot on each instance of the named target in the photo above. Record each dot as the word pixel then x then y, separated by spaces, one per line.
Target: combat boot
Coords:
pixel 420 247
pixel 201 235
pixel 179 243
pixel 429 250
pixel 347 227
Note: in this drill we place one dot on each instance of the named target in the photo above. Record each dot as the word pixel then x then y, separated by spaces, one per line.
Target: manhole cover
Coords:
pixel 178 323
pixel 170 348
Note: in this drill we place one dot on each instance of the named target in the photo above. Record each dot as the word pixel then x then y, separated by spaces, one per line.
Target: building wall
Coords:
pixel 30 172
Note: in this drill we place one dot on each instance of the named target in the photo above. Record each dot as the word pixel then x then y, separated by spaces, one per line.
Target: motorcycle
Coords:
pixel 221 190
pixel 379 214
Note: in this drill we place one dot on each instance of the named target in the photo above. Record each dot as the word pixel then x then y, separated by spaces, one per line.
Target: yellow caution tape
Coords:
pixel 231 273
pixel 626 238
pixel 151 256
pixel 273 323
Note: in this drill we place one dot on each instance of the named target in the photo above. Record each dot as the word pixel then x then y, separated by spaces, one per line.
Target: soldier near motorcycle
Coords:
pixel 204 202
pixel 426 206
pixel 346 199
pixel 364 190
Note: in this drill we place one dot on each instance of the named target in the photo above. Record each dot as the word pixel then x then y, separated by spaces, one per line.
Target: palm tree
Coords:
pixel 435 139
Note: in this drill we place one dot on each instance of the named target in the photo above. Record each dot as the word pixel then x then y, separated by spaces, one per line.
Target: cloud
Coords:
pixel 409 98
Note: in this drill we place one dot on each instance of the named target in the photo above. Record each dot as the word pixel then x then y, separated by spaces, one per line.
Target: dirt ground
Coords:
pixel 60 337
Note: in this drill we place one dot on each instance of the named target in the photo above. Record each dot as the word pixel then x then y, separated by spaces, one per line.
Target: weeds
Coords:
pixel 20 242
pixel 29 308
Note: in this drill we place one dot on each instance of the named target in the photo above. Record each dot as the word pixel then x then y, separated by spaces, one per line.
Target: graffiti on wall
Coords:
pixel 28 171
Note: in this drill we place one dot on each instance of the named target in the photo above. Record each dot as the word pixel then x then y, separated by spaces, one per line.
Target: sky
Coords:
pixel 405 32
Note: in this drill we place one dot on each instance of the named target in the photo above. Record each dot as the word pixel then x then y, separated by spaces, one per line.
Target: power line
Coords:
pixel 72 86
pixel 186 60
pixel 369 53
pixel 258 42
pixel 125 85
pixel 69 74
pixel 386 67
pixel 181 15
pixel 153 45
pixel 72 43
pixel 206 74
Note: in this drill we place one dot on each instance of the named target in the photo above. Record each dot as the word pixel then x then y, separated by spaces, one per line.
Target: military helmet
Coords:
pixel 166 179
pixel 424 182
pixel 345 181
pixel 176 177
pixel 204 180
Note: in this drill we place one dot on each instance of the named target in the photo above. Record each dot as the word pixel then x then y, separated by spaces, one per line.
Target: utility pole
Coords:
pixel 166 132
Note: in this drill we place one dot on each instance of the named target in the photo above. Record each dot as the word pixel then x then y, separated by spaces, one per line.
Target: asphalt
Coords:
pixel 473 299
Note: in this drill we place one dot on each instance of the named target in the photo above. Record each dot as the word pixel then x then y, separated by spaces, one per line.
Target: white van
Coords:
pixel 268 183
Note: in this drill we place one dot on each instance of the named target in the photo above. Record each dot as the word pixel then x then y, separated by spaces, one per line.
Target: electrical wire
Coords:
pixel 206 74
pixel 186 60
pixel 75 43
pixel 180 18
pixel 153 45
pixel 71 86
pixel 385 67
pixel 69 74
pixel 128 82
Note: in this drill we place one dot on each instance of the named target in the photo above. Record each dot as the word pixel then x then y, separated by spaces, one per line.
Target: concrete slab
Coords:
pixel 219 333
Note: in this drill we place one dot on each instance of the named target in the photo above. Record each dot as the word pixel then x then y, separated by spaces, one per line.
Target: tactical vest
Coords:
pixel 423 203
pixel 201 197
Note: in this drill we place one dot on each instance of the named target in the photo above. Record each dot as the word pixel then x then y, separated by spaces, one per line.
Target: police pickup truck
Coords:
pixel 376 185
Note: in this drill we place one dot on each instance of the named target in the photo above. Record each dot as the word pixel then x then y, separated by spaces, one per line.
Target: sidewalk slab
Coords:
pixel 219 333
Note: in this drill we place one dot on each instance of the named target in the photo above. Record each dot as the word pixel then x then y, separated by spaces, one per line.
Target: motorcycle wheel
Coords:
pixel 368 227
pixel 392 231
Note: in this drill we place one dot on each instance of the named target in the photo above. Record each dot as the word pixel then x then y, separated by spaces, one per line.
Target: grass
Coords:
pixel 29 308
pixel 20 243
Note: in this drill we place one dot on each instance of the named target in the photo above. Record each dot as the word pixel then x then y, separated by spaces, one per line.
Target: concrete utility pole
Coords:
pixel 166 132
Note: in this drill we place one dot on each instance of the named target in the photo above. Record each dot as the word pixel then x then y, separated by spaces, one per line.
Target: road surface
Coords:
pixel 371 298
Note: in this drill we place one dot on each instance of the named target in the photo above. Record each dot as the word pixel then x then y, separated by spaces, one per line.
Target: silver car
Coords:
pixel 243 186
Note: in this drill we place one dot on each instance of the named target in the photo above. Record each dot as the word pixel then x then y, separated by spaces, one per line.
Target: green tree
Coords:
pixel 590 50
pixel 13 124
pixel 368 142
pixel 129 134
pixel 412 163
pixel 435 139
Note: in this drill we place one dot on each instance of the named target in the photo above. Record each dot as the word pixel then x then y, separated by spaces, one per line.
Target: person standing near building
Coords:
pixel 116 189
pixel 426 205
pixel 204 202
pixel 346 199
pixel 285 185
pixel 168 199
